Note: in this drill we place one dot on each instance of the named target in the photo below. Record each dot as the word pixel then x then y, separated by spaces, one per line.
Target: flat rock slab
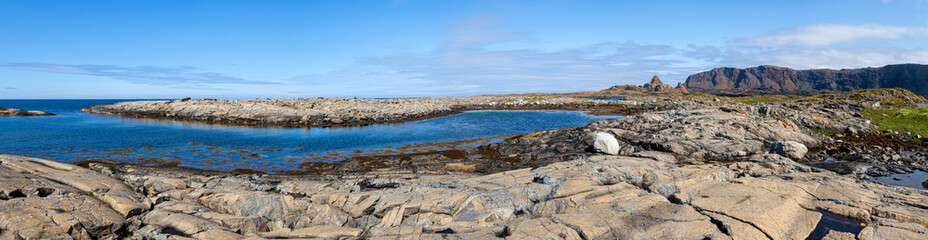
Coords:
pixel 44 199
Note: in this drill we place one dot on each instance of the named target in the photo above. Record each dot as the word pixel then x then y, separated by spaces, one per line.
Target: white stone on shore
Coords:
pixel 605 143
pixel 790 149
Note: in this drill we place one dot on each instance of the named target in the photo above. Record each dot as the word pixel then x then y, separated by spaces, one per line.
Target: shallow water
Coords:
pixel 831 222
pixel 912 180
pixel 606 98
pixel 73 136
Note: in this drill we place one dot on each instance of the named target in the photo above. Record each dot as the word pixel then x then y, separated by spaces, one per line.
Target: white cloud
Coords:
pixel 177 76
pixel 843 58
pixel 830 34
pixel 465 66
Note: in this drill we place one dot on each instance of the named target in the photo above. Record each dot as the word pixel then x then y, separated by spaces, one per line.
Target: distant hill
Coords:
pixel 654 86
pixel 773 79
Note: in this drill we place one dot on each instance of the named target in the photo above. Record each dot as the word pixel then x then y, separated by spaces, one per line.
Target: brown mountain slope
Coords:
pixel 773 79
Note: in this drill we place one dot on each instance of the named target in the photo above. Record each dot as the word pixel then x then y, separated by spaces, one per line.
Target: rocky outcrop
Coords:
pixel 654 86
pixel 327 112
pixel 46 199
pixel 766 196
pixel 9 112
pixel 884 98
pixel 695 171
pixel 773 79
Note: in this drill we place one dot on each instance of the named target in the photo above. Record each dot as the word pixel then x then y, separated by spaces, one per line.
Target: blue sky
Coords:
pixel 269 49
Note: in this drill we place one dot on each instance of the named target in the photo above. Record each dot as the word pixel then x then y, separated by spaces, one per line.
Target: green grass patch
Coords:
pixel 826 132
pixel 914 120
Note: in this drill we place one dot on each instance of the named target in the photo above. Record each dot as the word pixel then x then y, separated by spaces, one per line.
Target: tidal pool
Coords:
pixel 912 180
pixel 606 98
pixel 73 136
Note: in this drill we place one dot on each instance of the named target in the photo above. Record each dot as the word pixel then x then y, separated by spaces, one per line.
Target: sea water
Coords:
pixel 73 136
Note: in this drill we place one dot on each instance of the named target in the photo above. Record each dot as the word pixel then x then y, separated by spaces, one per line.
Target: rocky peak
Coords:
pixel 655 81
pixel 654 86
pixel 682 88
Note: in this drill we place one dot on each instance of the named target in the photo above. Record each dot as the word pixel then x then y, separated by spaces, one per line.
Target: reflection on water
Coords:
pixel 912 180
pixel 606 98
pixel 831 222
pixel 73 136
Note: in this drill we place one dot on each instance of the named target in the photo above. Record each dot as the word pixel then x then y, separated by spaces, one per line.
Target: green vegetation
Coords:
pixel 826 132
pixel 914 120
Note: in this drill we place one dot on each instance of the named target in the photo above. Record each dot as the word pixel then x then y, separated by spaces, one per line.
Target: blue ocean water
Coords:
pixel 606 98
pixel 73 136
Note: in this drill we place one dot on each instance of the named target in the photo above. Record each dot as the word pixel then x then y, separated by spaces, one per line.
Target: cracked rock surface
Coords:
pixel 680 174
pixel 599 197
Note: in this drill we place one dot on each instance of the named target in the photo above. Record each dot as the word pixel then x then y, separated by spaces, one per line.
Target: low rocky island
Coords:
pixel 329 112
pixel 682 167
pixel 9 112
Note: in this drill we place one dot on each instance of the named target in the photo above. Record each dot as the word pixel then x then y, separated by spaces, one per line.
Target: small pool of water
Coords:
pixel 606 98
pixel 831 222
pixel 912 180
pixel 73 136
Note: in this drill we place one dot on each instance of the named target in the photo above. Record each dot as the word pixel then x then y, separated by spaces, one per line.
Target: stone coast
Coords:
pixel 681 168
pixel 333 112
pixel 9 112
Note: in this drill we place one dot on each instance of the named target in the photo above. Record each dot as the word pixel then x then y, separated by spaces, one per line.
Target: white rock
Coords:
pixel 605 143
pixel 790 149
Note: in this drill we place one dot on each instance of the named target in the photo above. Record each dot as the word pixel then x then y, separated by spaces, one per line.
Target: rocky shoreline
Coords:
pixel 684 167
pixel 9 112
pixel 340 112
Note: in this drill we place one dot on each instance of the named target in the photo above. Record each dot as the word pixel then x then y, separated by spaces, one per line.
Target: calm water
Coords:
pixel 831 222
pixel 606 98
pixel 912 180
pixel 74 136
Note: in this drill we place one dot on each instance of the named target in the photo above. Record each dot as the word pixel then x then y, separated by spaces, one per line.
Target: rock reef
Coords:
pixel 9 112
pixel 327 112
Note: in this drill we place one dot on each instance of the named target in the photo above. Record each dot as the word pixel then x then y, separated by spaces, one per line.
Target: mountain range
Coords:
pixel 773 79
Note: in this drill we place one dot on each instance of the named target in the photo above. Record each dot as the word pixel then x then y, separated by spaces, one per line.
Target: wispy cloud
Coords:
pixel 11 88
pixel 829 34
pixel 139 74
pixel 466 65
pixel 470 62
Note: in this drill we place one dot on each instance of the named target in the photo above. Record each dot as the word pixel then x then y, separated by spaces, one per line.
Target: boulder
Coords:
pixel 606 143
pixel 790 149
